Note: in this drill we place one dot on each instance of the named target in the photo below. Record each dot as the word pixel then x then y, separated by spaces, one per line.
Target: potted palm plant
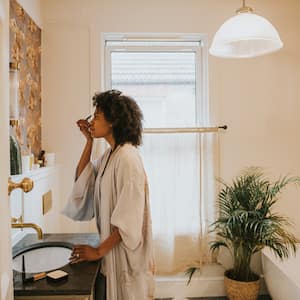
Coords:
pixel 246 224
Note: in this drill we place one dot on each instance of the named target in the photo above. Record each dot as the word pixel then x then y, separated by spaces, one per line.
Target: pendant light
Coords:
pixel 245 35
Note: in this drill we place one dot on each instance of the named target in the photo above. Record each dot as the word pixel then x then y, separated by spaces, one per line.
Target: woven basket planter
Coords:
pixel 240 290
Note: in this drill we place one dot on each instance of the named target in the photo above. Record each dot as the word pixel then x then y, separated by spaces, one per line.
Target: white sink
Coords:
pixel 42 259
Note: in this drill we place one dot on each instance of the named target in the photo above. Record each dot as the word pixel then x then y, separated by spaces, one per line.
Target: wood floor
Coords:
pixel 262 297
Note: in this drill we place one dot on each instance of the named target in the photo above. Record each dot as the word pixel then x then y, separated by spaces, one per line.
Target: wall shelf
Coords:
pixel 35 174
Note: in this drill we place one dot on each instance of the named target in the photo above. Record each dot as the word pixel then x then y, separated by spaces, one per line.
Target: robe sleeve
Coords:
pixel 128 213
pixel 80 205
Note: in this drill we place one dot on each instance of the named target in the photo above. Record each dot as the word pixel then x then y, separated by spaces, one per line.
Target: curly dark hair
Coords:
pixel 123 113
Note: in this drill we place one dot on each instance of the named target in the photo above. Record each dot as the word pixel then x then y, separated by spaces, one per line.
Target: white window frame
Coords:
pixel 201 60
pixel 202 109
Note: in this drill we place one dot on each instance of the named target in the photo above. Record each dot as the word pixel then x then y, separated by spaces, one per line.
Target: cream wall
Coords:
pixel 259 99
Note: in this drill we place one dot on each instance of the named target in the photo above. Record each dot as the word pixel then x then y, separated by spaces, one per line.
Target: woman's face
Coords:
pixel 100 127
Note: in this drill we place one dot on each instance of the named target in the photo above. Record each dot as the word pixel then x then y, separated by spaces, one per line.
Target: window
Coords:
pixel 167 77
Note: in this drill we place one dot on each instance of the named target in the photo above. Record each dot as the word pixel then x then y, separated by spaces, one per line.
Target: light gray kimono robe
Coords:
pixel 115 192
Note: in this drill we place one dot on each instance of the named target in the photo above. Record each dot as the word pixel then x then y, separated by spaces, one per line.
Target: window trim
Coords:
pixel 201 60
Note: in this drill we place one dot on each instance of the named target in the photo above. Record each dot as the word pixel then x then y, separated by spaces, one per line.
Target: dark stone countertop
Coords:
pixel 81 277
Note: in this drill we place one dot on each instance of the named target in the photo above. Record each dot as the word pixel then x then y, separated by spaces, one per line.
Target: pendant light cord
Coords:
pixel 244 8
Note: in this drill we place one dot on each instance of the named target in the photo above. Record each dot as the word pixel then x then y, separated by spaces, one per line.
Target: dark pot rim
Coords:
pixel 255 276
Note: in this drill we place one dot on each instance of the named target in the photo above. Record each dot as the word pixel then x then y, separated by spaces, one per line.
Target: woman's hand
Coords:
pixel 84 126
pixel 82 253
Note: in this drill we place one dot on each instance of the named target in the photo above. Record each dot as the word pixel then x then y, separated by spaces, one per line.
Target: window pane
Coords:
pixel 163 83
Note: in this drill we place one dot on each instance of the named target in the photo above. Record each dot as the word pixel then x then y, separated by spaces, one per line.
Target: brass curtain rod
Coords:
pixel 185 130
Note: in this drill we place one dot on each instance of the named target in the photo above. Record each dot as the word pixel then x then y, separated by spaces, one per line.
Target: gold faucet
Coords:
pixel 26 185
pixel 18 223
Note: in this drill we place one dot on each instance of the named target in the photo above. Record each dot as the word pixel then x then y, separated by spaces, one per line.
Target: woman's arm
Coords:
pixel 113 240
pixel 87 253
pixel 85 157
pixel 86 153
pixel 80 205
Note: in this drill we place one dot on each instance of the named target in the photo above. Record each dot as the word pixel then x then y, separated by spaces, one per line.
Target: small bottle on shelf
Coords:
pixel 15 153
pixel 31 161
pixel 41 158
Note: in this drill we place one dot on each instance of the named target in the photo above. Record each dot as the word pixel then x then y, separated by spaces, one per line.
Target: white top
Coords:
pixel 114 190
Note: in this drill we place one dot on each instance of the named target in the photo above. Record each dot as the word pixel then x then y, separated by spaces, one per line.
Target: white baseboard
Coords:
pixel 208 283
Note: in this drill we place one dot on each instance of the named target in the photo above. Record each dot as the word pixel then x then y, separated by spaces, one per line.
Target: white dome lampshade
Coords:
pixel 245 35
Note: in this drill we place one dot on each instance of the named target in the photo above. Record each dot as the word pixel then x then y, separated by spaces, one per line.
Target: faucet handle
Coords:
pixel 26 185
pixel 17 220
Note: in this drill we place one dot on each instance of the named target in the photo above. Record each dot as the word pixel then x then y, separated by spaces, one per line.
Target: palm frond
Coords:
pixel 215 245
pixel 190 272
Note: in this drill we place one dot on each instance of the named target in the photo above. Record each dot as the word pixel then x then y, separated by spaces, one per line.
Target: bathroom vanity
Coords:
pixel 82 278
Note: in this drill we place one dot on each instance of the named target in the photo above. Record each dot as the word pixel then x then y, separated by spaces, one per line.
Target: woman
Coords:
pixel 114 190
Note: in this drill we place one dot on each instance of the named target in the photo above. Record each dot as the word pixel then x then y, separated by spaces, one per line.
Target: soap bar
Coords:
pixel 57 274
